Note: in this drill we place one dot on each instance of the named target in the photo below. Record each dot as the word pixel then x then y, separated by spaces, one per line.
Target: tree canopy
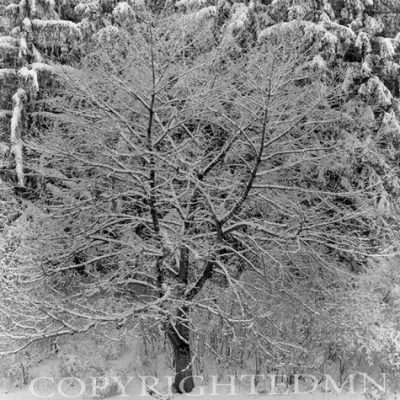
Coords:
pixel 197 161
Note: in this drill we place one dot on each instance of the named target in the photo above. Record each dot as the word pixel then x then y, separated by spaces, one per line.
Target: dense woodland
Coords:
pixel 222 174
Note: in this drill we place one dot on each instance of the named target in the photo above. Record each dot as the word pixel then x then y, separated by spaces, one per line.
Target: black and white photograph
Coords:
pixel 200 199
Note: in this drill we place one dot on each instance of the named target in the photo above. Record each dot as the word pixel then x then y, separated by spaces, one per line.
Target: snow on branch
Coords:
pixel 191 4
pixel 27 27
pixel 51 32
pixel 204 13
pixel 373 26
pixel 366 66
pixel 328 10
pixel 88 8
pixel 19 99
pixel 237 22
pixel 310 29
pixel 29 76
pixel 56 24
pixel 239 17
pixel 33 6
pixel 390 125
pixel 107 34
pixel 43 7
pixel 377 91
pixel 137 4
pixel 12 10
pixel 396 40
pixel 319 63
pixel 296 12
pixel 122 11
pixel 36 54
pixel 5 114
pixel 50 3
pixel 8 40
pixel 387 48
pixel 41 66
pixel 363 43
pixel 7 48
pixel 343 33
pixel 23 48
pixel 7 73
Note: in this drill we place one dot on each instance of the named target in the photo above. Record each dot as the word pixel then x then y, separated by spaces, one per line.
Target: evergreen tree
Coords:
pixel 35 33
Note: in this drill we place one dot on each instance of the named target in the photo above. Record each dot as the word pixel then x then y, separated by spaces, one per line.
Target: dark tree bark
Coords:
pixel 179 336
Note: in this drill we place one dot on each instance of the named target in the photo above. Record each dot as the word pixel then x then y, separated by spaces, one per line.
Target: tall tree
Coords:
pixel 184 166
pixel 213 152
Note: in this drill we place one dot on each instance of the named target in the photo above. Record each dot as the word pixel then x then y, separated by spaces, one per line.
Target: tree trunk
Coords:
pixel 179 338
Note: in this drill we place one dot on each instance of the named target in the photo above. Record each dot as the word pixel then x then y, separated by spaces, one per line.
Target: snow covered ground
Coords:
pixel 135 391
pixel 27 395
pixel 134 388
pixel 49 383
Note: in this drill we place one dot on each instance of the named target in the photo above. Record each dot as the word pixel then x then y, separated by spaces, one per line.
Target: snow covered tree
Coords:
pixel 357 37
pixel 220 162
pixel 34 32
pixel 179 171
